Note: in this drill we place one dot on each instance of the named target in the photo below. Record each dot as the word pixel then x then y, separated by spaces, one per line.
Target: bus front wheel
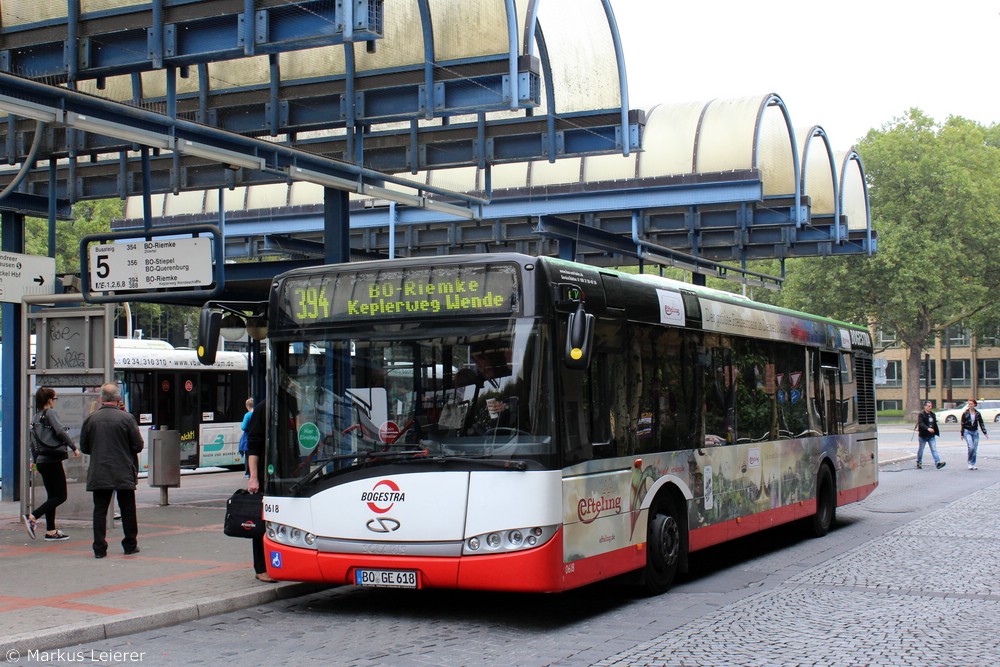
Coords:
pixel 826 503
pixel 663 546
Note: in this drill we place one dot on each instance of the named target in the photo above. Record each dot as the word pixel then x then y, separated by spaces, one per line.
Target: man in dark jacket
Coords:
pixel 111 437
pixel 927 433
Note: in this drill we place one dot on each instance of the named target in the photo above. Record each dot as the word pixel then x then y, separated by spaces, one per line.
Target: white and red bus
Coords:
pixel 520 423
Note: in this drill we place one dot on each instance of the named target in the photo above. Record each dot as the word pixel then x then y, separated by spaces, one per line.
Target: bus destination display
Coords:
pixel 399 293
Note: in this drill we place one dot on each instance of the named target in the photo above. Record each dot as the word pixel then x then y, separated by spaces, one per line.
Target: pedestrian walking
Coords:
pixel 972 424
pixel 256 441
pixel 927 432
pixel 50 446
pixel 111 436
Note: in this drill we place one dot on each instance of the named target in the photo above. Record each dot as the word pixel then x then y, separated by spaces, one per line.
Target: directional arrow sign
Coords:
pixel 25 274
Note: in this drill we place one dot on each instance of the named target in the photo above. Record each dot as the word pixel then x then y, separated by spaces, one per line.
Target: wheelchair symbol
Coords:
pixel 276 559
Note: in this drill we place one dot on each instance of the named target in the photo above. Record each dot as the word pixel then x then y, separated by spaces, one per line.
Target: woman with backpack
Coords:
pixel 50 446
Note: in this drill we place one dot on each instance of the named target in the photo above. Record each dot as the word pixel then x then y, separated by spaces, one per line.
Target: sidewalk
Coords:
pixel 55 594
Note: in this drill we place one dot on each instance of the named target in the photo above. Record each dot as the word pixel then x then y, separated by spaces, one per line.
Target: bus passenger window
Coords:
pixel 720 392
pixel 791 382
pixel 755 396
pixel 598 403
pixel 576 417
pixel 648 390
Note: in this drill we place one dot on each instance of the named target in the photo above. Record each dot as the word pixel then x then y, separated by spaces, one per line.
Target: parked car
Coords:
pixel 990 410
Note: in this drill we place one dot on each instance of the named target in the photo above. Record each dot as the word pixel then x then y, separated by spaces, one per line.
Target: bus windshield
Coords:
pixel 413 394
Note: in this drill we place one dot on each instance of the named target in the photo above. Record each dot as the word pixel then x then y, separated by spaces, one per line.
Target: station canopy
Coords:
pixel 354 90
pixel 716 178
pixel 458 125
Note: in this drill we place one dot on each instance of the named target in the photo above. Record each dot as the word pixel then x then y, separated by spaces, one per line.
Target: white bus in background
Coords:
pixel 167 388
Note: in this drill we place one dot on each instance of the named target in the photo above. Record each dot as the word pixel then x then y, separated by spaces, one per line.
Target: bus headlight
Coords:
pixel 505 541
pixel 290 536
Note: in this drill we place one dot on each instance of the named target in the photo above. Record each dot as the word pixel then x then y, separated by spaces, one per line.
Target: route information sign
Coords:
pixel 146 265
pixel 25 274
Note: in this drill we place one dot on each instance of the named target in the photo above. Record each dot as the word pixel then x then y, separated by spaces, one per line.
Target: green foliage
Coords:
pixel 89 217
pixel 935 199
pixel 164 321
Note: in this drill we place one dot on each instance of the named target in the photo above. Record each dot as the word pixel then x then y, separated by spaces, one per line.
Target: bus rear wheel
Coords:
pixel 826 503
pixel 663 547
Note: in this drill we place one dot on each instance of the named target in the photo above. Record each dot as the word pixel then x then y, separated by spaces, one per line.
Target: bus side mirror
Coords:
pixel 579 338
pixel 208 335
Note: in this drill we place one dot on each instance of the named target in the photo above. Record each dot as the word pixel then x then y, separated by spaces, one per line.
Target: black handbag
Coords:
pixel 44 441
pixel 244 515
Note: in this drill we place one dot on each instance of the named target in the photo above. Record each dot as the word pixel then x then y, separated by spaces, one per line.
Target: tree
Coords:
pixel 935 199
pixel 89 217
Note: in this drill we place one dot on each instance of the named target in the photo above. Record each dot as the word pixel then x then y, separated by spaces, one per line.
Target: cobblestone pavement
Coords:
pixel 908 578
pixel 927 593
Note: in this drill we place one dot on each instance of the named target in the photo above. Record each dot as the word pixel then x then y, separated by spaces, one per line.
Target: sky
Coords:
pixel 846 65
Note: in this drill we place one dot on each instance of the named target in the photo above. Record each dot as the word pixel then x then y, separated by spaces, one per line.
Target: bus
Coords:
pixel 167 388
pixel 515 423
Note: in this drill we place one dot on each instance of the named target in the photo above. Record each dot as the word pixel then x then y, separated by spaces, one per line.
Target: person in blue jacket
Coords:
pixel 243 438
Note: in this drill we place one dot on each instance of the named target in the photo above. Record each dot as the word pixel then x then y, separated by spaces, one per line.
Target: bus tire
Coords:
pixel 826 503
pixel 663 546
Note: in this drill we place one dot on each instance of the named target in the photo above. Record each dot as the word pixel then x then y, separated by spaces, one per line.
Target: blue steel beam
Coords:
pixel 730 228
pixel 142 127
pixel 35 205
pixel 179 33
pixel 325 103
pixel 446 146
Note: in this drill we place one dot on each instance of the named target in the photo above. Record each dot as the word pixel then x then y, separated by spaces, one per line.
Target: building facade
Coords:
pixel 960 367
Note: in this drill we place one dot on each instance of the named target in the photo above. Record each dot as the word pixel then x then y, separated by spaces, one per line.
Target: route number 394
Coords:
pixel 271 509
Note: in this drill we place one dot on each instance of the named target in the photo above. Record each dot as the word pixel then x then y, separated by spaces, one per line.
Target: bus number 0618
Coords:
pixel 270 509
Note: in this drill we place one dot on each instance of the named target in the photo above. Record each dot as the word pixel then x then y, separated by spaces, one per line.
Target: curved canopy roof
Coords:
pixel 391 87
pixel 709 180
pixel 436 104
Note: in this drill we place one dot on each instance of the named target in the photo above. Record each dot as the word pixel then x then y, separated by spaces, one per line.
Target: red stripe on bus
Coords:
pixel 595 568
pixel 702 538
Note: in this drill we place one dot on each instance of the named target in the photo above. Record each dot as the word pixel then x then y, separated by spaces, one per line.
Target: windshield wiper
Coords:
pixel 422 454
pixel 321 463
pixel 515 464
pixel 361 456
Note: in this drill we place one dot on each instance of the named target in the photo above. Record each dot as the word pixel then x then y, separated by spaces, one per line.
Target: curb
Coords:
pixel 898 459
pixel 12 649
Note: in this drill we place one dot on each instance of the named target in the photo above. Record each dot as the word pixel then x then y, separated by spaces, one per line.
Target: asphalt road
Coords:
pixel 907 577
